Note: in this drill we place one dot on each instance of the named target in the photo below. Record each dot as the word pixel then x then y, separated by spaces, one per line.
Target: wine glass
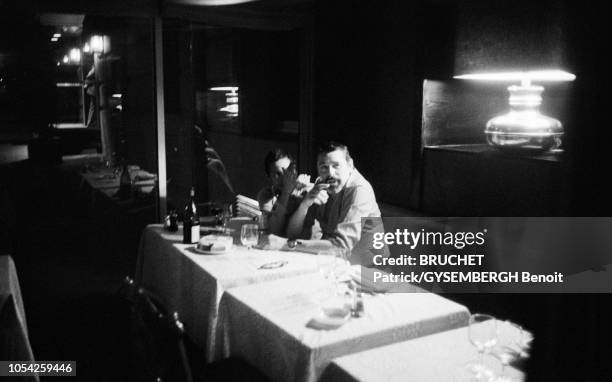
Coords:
pixel 249 235
pixel 514 342
pixel 226 215
pixel 482 332
pixel 325 263
pixel 340 267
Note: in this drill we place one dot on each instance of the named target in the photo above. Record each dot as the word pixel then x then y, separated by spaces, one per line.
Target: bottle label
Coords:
pixel 195 233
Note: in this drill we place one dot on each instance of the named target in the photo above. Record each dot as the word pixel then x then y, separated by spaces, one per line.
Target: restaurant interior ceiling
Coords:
pixel 168 7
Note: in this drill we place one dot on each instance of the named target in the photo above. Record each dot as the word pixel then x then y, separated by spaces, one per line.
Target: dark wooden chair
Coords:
pixel 162 352
pixel 158 338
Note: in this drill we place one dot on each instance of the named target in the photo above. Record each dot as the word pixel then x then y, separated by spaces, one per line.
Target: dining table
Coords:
pixel 192 284
pixel 106 181
pixel 14 339
pixel 443 356
pixel 278 326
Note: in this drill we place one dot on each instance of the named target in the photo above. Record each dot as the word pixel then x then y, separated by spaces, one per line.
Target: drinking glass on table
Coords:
pixel 249 235
pixel 482 333
pixel 226 215
pixel 325 263
pixel 341 267
pixel 513 345
pixel 332 265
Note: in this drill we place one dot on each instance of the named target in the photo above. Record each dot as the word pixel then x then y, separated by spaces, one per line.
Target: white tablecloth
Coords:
pixel 104 181
pixel 434 358
pixel 14 340
pixel 266 325
pixel 192 284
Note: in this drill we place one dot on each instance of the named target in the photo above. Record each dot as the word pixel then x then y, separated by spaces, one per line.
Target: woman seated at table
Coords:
pixel 284 193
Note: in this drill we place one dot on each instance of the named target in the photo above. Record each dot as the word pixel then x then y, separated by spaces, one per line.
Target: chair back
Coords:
pixel 158 344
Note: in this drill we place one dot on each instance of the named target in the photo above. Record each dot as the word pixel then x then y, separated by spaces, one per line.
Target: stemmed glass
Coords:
pixel 226 215
pixel 249 235
pixel 514 342
pixel 332 264
pixel 482 333
pixel 341 265
pixel 325 263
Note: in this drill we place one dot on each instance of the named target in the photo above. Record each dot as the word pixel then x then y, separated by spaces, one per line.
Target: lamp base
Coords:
pixel 521 142
pixel 524 127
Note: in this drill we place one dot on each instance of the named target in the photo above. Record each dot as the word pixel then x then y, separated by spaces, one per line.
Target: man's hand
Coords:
pixel 318 195
pixel 272 242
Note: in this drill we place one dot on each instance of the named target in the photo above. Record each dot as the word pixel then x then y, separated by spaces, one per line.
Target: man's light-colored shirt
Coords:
pixel 340 220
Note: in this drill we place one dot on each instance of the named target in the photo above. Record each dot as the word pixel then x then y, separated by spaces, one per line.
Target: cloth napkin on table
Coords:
pixel 364 277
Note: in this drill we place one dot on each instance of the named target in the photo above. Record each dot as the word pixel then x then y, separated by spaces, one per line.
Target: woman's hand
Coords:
pixel 288 179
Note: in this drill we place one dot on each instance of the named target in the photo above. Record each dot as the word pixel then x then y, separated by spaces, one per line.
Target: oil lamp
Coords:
pixel 524 127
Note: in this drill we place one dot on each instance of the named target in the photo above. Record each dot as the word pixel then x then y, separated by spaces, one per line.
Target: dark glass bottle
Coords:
pixel 191 221
pixel 125 184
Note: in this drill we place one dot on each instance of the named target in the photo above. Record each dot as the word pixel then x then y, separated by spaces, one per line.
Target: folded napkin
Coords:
pixel 247 210
pixel 364 277
pixel 334 313
pixel 215 243
pixel 245 200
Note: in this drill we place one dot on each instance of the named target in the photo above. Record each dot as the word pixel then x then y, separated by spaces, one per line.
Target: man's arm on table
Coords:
pixel 276 242
pixel 347 234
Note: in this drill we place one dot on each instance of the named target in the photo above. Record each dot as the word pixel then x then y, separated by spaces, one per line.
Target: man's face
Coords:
pixel 334 167
pixel 276 171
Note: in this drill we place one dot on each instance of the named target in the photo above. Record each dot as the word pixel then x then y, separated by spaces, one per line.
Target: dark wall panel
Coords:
pixel 370 62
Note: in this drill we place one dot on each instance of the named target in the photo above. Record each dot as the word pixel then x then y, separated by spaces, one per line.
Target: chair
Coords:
pixel 158 338
pixel 161 351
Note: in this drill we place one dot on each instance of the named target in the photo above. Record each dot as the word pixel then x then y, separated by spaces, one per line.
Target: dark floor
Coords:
pixel 69 275
pixel 71 260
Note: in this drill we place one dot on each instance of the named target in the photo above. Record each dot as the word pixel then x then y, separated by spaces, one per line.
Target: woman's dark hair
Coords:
pixel 273 156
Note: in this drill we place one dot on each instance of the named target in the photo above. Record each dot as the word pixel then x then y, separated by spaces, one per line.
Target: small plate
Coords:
pixel 204 252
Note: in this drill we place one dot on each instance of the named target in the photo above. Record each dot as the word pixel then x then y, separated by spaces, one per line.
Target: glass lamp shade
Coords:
pixel 524 127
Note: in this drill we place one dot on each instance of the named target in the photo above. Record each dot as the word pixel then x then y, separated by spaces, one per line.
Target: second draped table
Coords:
pixel 267 324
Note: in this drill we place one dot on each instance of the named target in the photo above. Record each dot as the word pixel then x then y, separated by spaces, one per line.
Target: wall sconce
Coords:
pixel 231 99
pixel 524 127
pixel 75 55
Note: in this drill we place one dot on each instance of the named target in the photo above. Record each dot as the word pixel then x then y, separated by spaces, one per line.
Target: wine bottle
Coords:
pixel 125 183
pixel 191 221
